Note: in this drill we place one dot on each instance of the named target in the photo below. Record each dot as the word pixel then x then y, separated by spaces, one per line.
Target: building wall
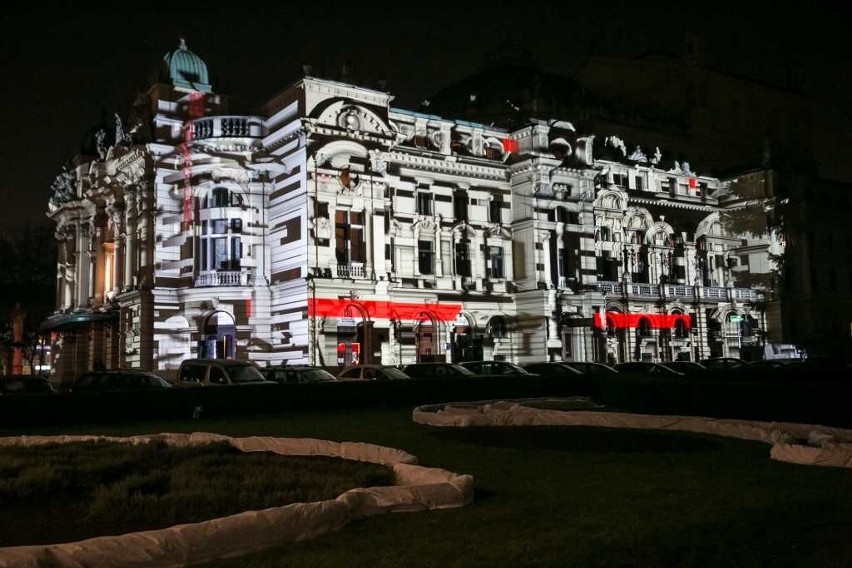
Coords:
pixel 333 229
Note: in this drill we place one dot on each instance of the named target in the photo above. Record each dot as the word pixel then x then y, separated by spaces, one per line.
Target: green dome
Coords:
pixel 185 70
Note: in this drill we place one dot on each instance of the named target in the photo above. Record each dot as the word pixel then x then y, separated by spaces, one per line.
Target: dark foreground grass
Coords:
pixel 563 496
pixel 68 492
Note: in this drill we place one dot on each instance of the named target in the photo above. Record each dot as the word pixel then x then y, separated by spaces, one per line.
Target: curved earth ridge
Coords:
pixel 806 444
pixel 418 488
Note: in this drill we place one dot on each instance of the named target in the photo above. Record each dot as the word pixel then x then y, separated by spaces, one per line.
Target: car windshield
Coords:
pixel 316 375
pixel 394 373
pixel 247 373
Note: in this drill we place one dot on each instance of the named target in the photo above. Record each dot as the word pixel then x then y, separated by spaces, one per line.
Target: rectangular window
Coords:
pixel 640 183
pixel 425 257
pixel 424 203
pixel 220 253
pixel 349 238
pixel 220 226
pixel 462 259
pixel 236 225
pixel 460 205
pixel 496 255
pixel 205 264
pixel 495 211
pixel 236 253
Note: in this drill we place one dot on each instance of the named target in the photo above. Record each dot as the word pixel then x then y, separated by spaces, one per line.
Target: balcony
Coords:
pixel 681 291
pixel 227 127
pixel 221 278
pixel 353 270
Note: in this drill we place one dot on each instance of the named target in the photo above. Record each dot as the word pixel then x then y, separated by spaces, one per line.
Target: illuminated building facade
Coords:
pixel 335 228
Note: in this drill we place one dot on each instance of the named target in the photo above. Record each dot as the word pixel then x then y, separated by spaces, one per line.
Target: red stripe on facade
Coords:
pixel 375 309
pixel 656 321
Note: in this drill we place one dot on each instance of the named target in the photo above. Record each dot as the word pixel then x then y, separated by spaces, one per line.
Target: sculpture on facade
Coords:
pixel 100 143
pixel 638 155
pixel 64 189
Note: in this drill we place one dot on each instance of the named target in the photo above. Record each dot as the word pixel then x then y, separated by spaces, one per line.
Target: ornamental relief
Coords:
pixel 424 225
pixel 322 228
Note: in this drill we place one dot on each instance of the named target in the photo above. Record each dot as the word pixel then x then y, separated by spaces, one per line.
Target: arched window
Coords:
pixel 644 327
pixel 497 327
pixel 680 329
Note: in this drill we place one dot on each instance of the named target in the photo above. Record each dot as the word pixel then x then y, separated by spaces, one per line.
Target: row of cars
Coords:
pixel 199 372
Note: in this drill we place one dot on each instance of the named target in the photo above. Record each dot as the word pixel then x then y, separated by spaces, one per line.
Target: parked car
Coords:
pixel 204 372
pixel 590 367
pixel 494 368
pixel 297 374
pixel 118 379
pixel 686 366
pixel 724 363
pixel 25 384
pixel 647 368
pixel 371 372
pixel 553 369
pixel 437 370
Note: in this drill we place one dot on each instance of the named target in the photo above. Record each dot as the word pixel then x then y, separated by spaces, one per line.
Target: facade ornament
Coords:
pixel 64 188
pixel 638 155
pixel 121 136
pixel 322 228
pixel 235 174
pixel 426 225
pixel 561 190
pixel 657 156
pixel 686 169
pixel 377 164
pixel 676 169
pixel 543 189
pixel 583 150
pixel 100 144
pixel 321 159
pixel 616 143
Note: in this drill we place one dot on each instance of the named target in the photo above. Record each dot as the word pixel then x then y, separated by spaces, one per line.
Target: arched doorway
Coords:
pixel 218 336
pixel 466 345
pixel 426 340
pixel 354 336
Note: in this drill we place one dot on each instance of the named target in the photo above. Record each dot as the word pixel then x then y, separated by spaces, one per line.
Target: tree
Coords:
pixel 28 280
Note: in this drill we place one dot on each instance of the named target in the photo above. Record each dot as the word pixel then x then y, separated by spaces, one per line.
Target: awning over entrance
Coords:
pixel 61 322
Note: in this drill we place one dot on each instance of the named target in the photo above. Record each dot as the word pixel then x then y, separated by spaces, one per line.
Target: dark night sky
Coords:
pixel 64 67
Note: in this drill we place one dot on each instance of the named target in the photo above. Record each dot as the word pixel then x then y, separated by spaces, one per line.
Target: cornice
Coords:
pixel 444 166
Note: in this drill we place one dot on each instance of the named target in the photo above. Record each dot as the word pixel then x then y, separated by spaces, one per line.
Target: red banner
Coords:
pixel 657 321
pixel 376 309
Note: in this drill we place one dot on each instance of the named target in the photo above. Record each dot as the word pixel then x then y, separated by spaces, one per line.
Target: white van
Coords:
pixel 205 372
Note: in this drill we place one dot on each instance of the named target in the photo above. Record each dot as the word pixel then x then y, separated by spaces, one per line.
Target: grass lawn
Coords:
pixel 67 492
pixel 563 496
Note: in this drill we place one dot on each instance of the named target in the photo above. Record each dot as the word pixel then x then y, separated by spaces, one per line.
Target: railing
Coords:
pixel 227 127
pixel 681 291
pixel 351 270
pixel 221 278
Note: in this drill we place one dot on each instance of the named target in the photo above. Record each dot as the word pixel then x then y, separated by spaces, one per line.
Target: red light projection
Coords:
pixel 196 109
pixel 510 145
pixel 656 321
pixel 693 183
pixel 327 307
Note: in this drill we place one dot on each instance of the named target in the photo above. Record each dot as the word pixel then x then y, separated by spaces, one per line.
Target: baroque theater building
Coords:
pixel 333 228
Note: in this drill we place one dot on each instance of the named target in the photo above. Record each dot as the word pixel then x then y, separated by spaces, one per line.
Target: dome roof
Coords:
pixel 509 95
pixel 185 70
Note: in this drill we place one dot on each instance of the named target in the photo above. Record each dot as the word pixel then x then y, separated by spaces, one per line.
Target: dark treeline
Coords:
pixel 27 278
